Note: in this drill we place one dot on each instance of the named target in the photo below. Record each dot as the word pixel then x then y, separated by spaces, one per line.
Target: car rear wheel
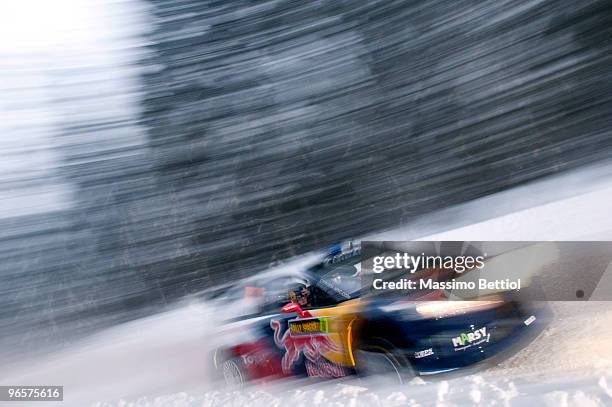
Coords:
pixel 233 373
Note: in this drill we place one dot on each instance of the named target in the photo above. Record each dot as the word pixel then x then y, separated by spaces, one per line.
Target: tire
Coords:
pixel 233 373
pixel 379 359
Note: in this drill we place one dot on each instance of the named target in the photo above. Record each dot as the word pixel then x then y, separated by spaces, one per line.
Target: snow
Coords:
pixel 162 360
pixel 492 391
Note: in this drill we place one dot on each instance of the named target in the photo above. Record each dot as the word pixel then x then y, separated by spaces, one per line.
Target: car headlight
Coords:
pixel 440 309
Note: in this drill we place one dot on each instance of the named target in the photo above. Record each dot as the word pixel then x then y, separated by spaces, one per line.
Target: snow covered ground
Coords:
pixel 162 360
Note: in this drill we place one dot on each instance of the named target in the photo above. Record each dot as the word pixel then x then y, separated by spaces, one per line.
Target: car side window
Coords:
pixel 276 292
pixel 320 298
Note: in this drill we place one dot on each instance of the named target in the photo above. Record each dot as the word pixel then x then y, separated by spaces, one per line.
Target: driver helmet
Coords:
pixel 301 295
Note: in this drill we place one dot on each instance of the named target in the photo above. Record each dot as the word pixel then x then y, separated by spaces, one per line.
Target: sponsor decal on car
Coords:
pixel 309 326
pixel 341 252
pixel 469 339
pixel 324 368
pixel 530 320
pixel 255 358
pixel 423 353
pixel 312 344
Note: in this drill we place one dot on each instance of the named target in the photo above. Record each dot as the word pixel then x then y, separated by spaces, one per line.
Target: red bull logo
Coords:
pixel 304 338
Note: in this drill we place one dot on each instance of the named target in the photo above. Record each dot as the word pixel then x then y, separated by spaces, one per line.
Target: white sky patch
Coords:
pixel 48 51
pixel 34 25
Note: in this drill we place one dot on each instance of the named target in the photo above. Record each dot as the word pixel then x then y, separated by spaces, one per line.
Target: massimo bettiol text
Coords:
pixel 412 264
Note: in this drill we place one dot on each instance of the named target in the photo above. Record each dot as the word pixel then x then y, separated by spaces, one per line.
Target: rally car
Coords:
pixel 317 322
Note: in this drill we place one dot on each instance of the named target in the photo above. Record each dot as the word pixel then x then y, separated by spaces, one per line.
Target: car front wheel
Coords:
pixel 380 360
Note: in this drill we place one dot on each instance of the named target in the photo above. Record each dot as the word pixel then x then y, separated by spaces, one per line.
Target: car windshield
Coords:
pixel 341 281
